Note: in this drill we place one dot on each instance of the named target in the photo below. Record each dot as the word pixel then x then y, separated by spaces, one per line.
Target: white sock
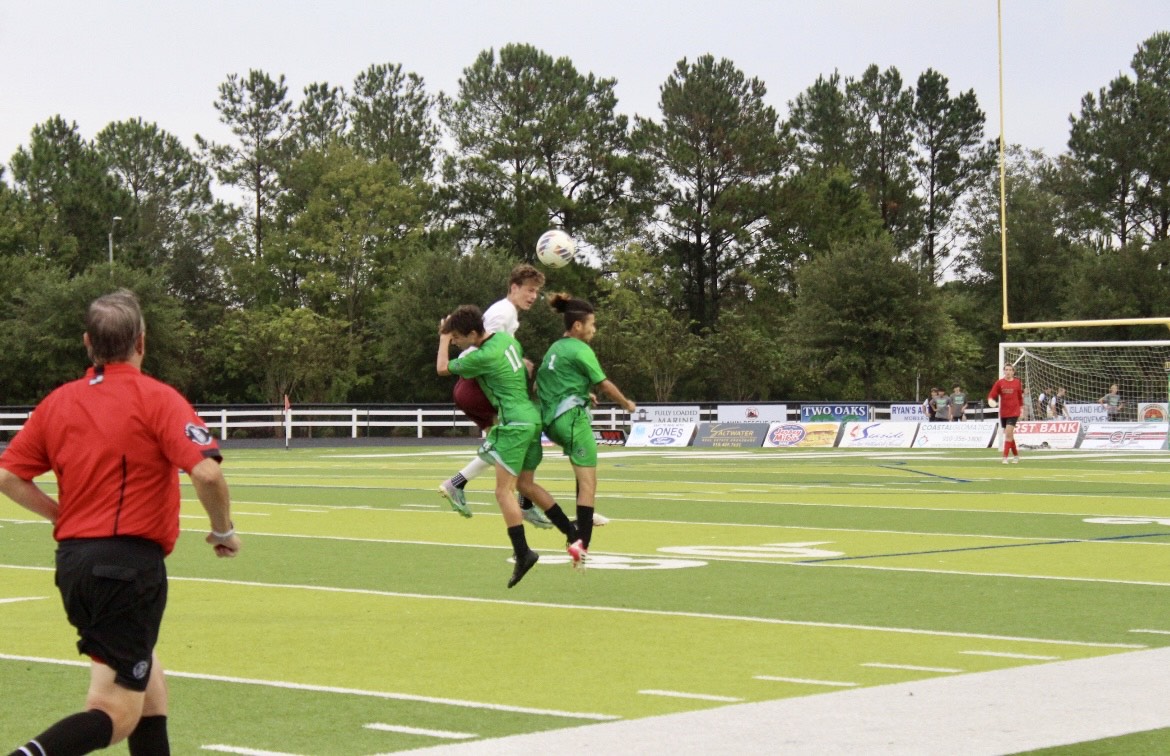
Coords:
pixel 474 469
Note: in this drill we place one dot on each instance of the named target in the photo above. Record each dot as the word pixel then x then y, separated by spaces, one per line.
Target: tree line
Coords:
pixel 849 250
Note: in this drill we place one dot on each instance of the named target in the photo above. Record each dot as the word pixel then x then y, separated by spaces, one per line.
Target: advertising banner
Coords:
pixel 912 412
pixel 1126 436
pixel 609 436
pixel 666 414
pixel 1152 412
pixel 730 435
pixel 661 434
pixel 966 435
pixel 838 413
pixel 1087 413
pixel 752 413
pixel 892 435
pixel 801 434
pixel 1048 434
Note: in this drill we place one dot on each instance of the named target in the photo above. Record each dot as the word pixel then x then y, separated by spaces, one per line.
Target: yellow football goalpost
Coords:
pixel 1008 325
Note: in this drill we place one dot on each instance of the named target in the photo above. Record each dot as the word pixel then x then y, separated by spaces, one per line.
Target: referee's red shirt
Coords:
pixel 116 440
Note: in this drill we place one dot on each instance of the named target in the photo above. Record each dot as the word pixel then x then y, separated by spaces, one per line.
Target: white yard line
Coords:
pixel 803 681
pixel 388 695
pixel 911 667
pixel 447 734
pixel 1004 655
pixel 243 751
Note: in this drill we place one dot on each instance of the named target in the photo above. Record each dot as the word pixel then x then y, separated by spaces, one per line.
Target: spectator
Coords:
pixel 958 403
pixel 1059 404
pixel 1113 403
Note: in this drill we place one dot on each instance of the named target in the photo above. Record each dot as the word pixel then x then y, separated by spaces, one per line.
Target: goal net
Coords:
pixel 1086 370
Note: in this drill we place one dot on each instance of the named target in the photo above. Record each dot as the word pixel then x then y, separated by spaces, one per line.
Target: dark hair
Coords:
pixel 525 273
pixel 572 308
pixel 113 324
pixel 464 320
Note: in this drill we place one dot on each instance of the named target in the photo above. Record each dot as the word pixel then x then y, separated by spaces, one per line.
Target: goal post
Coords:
pixel 1087 369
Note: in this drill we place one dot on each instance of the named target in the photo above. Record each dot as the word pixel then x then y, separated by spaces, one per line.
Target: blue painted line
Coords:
pixel 923 472
pixel 985 548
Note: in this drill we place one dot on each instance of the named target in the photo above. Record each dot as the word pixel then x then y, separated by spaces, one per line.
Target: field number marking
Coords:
pixel 799 550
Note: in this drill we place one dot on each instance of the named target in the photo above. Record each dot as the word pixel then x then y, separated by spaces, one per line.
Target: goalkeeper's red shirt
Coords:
pixel 1010 395
pixel 116 440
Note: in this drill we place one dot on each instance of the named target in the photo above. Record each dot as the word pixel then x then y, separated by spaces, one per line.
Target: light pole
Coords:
pixel 113 222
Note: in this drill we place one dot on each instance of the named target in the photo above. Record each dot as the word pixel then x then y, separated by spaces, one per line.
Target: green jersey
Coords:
pixel 563 380
pixel 498 366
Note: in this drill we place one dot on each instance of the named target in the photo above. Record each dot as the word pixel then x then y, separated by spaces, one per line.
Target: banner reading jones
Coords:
pixel 661 434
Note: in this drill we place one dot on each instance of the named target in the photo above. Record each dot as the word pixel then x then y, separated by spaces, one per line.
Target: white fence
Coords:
pixel 358 422
pixel 354 422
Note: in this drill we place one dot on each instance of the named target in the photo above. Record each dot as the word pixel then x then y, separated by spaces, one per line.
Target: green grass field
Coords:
pixel 363 616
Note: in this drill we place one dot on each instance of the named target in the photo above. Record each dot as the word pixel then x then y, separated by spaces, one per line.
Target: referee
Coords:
pixel 115 441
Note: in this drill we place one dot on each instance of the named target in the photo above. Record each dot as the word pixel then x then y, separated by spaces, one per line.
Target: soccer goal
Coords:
pixel 1087 369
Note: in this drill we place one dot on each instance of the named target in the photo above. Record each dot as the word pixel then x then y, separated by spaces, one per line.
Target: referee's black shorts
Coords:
pixel 115 592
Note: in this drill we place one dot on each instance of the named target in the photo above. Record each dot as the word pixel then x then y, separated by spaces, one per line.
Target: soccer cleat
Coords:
pixel 523 565
pixel 455 496
pixel 599 520
pixel 1016 459
pixel 1006 460
pixel 578 553
pixel 535 517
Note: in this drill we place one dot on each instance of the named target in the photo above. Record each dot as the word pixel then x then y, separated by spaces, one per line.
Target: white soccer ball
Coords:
pixel 555 248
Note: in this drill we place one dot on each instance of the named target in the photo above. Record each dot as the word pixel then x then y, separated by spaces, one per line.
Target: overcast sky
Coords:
pixel 97 61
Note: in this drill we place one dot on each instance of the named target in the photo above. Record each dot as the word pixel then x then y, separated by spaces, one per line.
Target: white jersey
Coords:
pixel 501 317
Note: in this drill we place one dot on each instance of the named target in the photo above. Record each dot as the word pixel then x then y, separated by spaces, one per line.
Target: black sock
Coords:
pixel 557 516
pixel 150 737
pixel 76 734
pixel 584 524
pixel 459 481
pixel 525 502
pixel 519 542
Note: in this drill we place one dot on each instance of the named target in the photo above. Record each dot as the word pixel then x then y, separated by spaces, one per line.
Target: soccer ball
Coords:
pixel 555 248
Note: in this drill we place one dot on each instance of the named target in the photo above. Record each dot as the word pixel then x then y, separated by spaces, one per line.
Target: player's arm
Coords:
pixel 610 389
pixel 212 489
pixel 443 359
pixel 28 495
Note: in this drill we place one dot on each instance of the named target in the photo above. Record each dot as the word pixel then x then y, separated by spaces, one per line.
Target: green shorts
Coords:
pixel 515 446
pixel 573 432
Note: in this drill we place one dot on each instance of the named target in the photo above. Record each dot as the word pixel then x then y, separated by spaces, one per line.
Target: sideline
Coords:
pixel 980 714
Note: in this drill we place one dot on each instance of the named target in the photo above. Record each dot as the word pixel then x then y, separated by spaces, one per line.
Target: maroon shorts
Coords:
pixel 469 398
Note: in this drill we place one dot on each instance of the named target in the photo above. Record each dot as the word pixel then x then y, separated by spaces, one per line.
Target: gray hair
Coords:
pixel 114 323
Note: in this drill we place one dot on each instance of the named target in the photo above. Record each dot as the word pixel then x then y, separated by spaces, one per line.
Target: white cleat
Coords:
pixel 599 520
